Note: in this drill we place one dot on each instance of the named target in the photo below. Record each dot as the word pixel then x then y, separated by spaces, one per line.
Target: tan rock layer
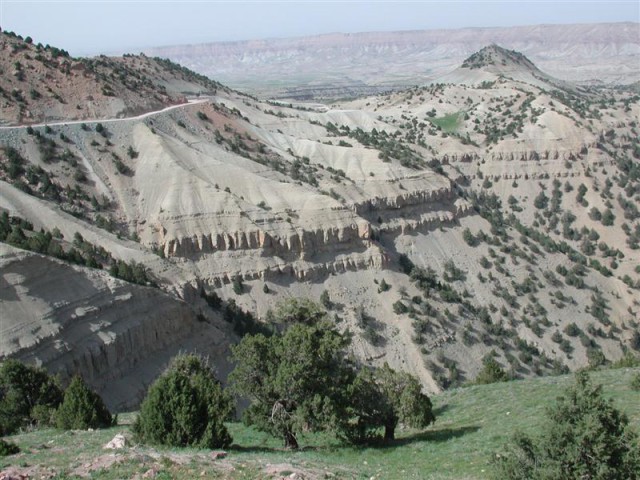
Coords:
pixel 302 244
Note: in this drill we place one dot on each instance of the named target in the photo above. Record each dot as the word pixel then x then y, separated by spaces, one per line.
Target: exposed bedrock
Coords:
pixel 395 202
pixel 294 242
pixel 74 320
pixel 303 241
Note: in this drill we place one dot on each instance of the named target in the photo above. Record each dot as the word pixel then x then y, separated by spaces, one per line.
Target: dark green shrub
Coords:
pixel 122 167
pixel 43 415
pixel 132 153
pixel 325 300
pixel 491 372
pixel 82 408
pixel 541 201
pixel 383 398
pixel 406 265
pixel 384 286
pixel 238 287
pixel 186 406
pixel 24 390
pixel 399 308
pixel 585 437
pixel 608 218
pixel 101 130
pixel 635 382
pixel 572 330
pixel 8 448
pixel 469 238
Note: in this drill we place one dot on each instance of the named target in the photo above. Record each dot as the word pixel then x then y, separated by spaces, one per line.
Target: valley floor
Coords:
pixel 472 425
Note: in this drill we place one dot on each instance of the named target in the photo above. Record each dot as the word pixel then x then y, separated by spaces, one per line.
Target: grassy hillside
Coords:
pixel 472 424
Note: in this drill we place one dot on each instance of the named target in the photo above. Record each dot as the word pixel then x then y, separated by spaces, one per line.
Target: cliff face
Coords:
pixel 73 320
pixel 300 244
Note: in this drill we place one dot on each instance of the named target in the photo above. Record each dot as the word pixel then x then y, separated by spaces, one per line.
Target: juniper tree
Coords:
pixel 585 437
pixel 27 395
pixel 82 408
pixel 293 380
pixel 303 379
pixel 185 406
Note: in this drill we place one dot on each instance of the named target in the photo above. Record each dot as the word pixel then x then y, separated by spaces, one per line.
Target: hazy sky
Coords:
pixel 86 27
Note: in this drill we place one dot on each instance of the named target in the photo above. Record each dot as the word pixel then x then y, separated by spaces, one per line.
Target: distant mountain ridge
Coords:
pixel 362 62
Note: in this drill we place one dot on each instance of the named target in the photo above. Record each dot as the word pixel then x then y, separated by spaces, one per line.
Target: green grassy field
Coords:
pixel 472 424
pixel 448 123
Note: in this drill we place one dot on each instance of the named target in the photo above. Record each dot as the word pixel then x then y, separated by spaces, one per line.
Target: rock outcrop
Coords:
pixel 73 320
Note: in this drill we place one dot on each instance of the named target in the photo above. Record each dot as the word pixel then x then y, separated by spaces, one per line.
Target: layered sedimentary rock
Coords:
pixel 78 321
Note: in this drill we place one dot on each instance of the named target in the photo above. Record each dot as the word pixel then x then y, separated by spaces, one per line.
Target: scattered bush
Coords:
pixel 238 287
pixel 8 448
pixel 384 286
pixel 25 392
pixel 469 238
pixel 82 408
pixel 102 130
pixel 541 201
pixel 325 300
pixel 406 265
pixel 122 167
pixel 491 371
pixel 132 153
pixel 585 437
pixel 185 406
pixel 399 308
pixel 572 330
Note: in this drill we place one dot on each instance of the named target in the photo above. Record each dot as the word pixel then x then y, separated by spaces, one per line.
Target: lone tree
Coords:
pixel 586 437
pixel 491 371
pixel 294 380
pixel 383 398
pixel 82 408
pixel 28 395
pixel 303 380
pixel 186 406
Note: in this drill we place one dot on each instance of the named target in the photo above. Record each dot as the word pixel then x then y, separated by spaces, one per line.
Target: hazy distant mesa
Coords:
pixel 339 65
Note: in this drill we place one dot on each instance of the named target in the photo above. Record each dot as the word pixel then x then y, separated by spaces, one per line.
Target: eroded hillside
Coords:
pixel 494 214
pixel 43 84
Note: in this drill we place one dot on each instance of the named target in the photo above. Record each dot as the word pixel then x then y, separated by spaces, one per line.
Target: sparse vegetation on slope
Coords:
pixel 49 84
pixel 247 202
